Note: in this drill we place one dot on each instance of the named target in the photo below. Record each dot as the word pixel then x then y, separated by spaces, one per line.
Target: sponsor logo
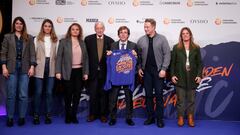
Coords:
pixel 226 3
pixel 169 2
pixel 64 2
pixel 198 21
pixel 37 19
pixel 59 20
pixel 84 2
pixel 167 21
pixel 116 2
pixel 112 20
pixel 70 19
pixel 60 2
pixel 191 3
pixel 91 20
pixel 90 2
pixel 31 2
pixel 140 21
pixel 136 3
pixel 34 2
pixel 219 21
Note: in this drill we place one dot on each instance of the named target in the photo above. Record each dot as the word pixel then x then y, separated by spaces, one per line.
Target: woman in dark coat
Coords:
pixel 186 72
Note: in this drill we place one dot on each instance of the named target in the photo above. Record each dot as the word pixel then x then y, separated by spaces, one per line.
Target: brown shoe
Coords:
pixel 103 119
pixel 91 118
pixel 191 120
pixel 180 121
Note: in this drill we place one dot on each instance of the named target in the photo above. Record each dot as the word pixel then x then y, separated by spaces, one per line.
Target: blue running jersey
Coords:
pixel 120 69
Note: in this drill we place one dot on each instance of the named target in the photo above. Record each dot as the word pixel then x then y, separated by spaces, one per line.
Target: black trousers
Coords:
pixel 72 92
pixel 98 96
pixel 153 81
pixel 113 98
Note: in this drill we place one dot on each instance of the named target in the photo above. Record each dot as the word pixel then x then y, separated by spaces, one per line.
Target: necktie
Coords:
pixel 122 46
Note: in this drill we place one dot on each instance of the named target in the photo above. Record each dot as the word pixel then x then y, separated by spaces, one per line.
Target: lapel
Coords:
pixel 184 51
pixel 128 45
pixel 12 39
pixel 94 42
pixel 24 47
pixel 190 51
pixel 80 44
pixel 117 46
pixel 96 46
pixel 145 46
pixel 42 46
pixel 14 44
pixel 104 43
pixel 52 49
pixel 69 45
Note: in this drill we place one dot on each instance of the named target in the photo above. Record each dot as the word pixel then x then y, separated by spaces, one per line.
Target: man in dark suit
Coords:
pixel 122 44
pixel 97 45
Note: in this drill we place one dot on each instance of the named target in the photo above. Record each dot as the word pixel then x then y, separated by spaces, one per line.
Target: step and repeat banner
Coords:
pixel 215 25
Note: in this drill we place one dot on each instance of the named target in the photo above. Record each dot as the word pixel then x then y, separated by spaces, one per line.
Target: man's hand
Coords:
pixel 162 74
pixel 140 72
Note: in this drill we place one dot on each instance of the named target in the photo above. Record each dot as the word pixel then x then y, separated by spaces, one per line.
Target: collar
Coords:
pixel 100 37
pixel 120 42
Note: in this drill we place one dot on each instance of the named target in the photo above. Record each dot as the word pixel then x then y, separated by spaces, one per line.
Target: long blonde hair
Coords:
pixel 41 34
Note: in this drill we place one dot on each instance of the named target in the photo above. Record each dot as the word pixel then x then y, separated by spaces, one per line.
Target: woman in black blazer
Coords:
pixel 72 67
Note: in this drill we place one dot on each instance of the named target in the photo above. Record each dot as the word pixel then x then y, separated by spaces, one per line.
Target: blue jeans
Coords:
pixel 48 82
pixel 17 81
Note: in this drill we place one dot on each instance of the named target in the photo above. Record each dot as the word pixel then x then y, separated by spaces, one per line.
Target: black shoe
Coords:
pixel 67 119
pixel 48 119
pixel 112 122
pixel 75 120
pixel 130 122
pixel 149 121
pixel 21 121
pixel 10 122
pixel 160 123
pixel 36 120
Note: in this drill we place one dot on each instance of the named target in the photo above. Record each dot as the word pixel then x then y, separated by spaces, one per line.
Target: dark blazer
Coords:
pixel 9 53
pixel 178 65
pixel 130 45
pixel 64 58
pixel 94 63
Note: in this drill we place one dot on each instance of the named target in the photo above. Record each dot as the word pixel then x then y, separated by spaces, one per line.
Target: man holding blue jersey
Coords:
pixel 122 44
